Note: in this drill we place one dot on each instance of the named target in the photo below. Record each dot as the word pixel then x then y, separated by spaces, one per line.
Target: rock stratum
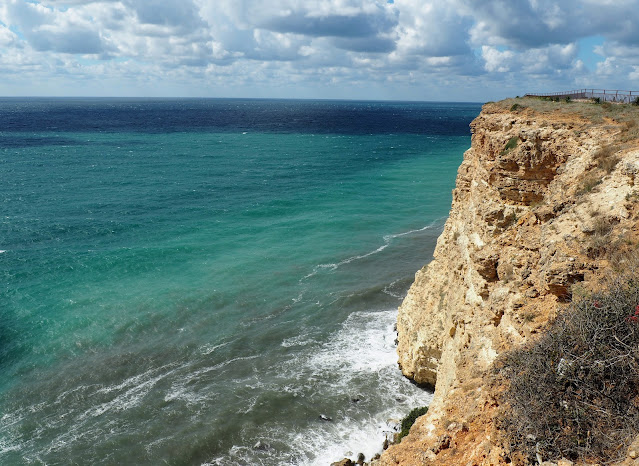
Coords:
pixel 544 200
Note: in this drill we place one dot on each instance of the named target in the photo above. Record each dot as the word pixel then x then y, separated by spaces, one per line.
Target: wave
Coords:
pixel 357 369
pixel 388 239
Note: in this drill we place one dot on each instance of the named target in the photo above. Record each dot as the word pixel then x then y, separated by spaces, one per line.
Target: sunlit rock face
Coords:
pixel 520 233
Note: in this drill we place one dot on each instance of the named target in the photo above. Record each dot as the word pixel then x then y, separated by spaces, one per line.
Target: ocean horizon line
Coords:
pixel 279 99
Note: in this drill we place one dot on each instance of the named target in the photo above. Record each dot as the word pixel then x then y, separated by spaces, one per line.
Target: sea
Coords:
pixel 212 281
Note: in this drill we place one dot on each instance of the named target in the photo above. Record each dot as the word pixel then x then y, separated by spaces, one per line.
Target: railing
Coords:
pixel 602 94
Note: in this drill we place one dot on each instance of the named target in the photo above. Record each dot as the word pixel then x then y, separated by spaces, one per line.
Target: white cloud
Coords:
pixel 432 28
pixel 317 44
pixel 52 30
pixel 7 37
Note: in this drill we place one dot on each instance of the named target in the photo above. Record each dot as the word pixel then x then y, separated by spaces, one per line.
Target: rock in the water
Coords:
pixel 326 418
pixel 261 446
pixel 360 459
pixel 344 462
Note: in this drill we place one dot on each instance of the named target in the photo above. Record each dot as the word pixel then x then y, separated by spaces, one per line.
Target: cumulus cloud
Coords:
pixel 306 43
pixel 51 30
pixel 537 23
pixel 432 28
pixel 181 14
pixel 361 25
pixel 539 61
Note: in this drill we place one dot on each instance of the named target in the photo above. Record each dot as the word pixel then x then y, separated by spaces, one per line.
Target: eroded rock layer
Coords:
pixel 538 207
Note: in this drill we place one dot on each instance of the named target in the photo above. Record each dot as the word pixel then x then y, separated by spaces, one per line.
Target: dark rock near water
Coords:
pixel 324 417
pixel 344 462
pixel 360 459
pixel 261 446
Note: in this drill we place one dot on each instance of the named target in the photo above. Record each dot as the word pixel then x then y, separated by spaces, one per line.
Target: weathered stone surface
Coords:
pixel 511 250
pixel 344 462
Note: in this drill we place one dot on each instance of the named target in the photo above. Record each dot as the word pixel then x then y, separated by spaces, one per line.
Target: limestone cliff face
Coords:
pixel 524 227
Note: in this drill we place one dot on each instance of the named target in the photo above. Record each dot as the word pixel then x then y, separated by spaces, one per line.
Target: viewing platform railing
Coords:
pixel 604 95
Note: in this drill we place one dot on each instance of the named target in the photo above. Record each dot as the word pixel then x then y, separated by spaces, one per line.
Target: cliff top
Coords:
pixel 585 110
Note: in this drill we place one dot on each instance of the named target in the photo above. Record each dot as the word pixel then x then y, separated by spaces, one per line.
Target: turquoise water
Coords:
pixel 188 293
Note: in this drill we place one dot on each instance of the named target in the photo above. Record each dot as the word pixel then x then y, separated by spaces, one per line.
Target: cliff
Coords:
pixel 544 200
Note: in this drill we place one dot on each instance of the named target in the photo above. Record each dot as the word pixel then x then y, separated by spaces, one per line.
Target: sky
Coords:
pixel 452 50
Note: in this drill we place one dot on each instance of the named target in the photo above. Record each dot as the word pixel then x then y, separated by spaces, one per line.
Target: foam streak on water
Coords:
pixel 387 241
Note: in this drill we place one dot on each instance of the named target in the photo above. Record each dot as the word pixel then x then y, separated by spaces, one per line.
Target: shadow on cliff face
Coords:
pixel 574 393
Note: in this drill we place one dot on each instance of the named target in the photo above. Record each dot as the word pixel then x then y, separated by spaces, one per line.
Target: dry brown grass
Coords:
pixel 625 115
pixel 607 158
pixel 589 183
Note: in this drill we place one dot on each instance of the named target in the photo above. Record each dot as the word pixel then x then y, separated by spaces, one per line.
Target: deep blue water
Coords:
pixel 197 281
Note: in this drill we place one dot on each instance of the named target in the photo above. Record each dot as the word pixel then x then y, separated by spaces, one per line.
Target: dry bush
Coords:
pixel 607 158
pixel 601 242
pixel 603 226
pixel 588 183
pixel 574 393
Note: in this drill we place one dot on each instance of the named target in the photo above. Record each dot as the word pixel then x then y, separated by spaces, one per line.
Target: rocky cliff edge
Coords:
pixel 545 198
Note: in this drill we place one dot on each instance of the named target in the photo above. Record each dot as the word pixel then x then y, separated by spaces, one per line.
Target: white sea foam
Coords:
pixel 365 343
pixel 362 351
pixel 180 388
pixel 134 381
pixel 300 340
pixel 388 239
pixel 2 251
pixel 406 233
pixel 364 346
pixel 389 291
pixel 208 349
pixel 126 400
pixel 317 268
pixel 6 446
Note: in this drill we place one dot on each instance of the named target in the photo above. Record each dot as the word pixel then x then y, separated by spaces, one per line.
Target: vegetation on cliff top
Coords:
pixel 574 392
pixel 624 114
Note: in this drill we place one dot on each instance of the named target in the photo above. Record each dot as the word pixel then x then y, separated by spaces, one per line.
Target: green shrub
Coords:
pixel 567 99
pixel 636 101
pixel 574 393
pixel 515 107
pixel 511 144
pixel 409 420
pixel 596 100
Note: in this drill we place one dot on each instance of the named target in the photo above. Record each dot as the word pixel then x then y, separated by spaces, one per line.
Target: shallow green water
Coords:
pixel 181 295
